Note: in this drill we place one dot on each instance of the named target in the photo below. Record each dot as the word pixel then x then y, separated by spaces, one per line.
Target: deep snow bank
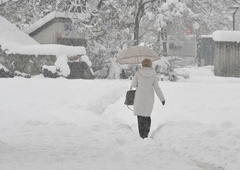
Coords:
pixel 207 145
pixel 4 148
pixel 78 124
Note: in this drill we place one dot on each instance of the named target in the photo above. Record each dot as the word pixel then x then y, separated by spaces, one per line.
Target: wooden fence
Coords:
pixel 227 59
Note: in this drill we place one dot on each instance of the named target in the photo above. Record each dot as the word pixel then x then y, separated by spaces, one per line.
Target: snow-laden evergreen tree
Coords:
pixel 169 19
pixel 25 12
pixel 164 22
pixel 214 15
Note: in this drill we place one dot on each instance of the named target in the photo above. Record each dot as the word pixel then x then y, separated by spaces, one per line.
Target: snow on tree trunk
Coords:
pixel 114 71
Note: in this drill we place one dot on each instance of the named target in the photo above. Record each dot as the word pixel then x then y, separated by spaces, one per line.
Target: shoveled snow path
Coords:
pixel 44 125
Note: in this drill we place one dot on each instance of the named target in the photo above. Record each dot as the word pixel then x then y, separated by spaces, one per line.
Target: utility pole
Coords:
pixel 234 13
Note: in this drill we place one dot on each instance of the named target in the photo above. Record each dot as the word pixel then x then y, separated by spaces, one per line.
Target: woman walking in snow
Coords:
pixel 145 80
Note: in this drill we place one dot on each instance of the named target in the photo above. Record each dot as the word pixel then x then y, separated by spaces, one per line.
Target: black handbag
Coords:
pixel 129 100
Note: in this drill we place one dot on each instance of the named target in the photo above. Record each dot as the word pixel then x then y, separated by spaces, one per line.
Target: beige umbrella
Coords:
pixel 136 54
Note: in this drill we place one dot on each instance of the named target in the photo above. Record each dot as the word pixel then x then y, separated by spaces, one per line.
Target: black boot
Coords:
pixel 144 124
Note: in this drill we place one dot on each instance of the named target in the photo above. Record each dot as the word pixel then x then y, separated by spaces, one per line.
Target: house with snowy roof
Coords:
pixel 57 28
pixel 21 53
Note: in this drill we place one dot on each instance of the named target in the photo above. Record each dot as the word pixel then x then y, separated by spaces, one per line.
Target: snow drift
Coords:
pixel 83 124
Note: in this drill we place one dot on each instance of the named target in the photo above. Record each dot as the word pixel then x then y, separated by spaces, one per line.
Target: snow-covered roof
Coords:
pixel 11 36
pixel 52 16
pixel 206 36
pixel 226 36
pixel 49 49
pixel 13 40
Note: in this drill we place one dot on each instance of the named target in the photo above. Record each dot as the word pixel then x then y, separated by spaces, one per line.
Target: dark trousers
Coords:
pixel 144 124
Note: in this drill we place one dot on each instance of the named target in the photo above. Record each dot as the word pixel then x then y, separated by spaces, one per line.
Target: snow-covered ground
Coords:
pixel 60 124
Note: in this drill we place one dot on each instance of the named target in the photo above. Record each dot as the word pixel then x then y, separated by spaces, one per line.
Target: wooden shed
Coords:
pixel 227 53
pixel 57 28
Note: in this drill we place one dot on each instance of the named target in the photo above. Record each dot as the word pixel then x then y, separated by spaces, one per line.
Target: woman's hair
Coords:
pixel 147 63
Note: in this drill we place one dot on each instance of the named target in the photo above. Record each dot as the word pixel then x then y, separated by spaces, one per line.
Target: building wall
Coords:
pixel 46 36
pixel 50 33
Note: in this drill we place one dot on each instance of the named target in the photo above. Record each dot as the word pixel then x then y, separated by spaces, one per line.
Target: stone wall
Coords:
pixel 29 64
pixel 32 65
pixel 79 70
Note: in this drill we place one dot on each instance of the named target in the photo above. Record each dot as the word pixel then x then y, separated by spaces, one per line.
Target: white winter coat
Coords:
pixel 145 80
